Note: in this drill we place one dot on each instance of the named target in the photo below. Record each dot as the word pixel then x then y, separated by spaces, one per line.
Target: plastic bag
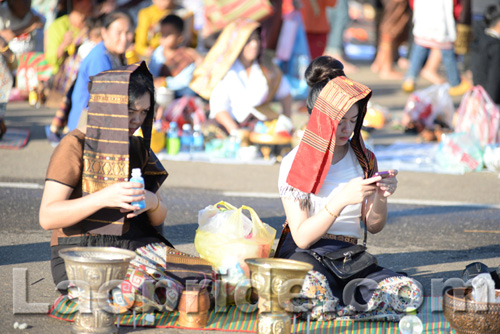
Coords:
pixel 478 116
pixel 492 158
pixel 227 236
pixel 459 153
pixel 483 289
pixel 428 106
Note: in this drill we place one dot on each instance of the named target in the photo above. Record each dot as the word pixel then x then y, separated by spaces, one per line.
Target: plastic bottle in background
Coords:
pixel 173 141
pixel 233 145
pixel 303 62
pixel 410 323
pixel 197 145
pixel 186 138
pixel 137 178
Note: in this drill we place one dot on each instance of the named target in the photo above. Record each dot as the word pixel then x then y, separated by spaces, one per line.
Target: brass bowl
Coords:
pixel 269 139
pixel 468 317
pixel 276 280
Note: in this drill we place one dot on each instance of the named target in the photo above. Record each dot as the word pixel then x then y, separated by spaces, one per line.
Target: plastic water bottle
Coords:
pixel 410 323
pixel 303 62
pixel 233 145
pixel 137 178
pixel 186 138
pixel 173 141
pixel 197 145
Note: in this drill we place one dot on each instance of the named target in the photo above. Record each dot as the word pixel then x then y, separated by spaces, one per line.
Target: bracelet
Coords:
pixel 5 48
pixel 157 205
pixel 330 213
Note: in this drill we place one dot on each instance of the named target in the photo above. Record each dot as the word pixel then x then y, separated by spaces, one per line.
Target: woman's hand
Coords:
pixel 388 185
pixel 121 195
pixel 358 189
pixel 67 39
pixel 152 201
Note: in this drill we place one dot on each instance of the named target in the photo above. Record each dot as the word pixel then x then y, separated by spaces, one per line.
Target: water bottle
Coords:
pixel 233 145
pixel 137 178
pixel 173 141
pixel 303 62
pixel 410 323
pixel 197 145
pixel 186 138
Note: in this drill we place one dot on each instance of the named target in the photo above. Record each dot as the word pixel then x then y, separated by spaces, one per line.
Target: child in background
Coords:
pixel 434 27
pixel 171 63
pixel 147 34
pixel 94 25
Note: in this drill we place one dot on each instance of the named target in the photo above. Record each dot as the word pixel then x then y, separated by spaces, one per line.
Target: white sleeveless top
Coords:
pixel 339 174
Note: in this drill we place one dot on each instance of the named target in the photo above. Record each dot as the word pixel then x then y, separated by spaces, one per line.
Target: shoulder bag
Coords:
pixel 350 262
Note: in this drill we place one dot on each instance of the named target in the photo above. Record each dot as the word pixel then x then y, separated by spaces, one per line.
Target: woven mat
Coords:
pixel 15 138
pixel 241 319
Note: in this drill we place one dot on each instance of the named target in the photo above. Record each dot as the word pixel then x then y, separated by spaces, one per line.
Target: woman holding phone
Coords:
pixel 329 189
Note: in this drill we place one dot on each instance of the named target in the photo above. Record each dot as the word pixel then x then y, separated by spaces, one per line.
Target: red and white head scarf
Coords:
pixel 315 152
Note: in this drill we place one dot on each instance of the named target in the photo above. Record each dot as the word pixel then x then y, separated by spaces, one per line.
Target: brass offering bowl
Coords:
pixel 276 281
pixel 469 317
pixel 95 271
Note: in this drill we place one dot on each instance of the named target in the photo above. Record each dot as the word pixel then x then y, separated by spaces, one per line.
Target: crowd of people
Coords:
pixel 108 57
pixel 80 38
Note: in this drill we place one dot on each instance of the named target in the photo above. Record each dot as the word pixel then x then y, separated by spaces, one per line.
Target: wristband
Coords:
pixel 5 48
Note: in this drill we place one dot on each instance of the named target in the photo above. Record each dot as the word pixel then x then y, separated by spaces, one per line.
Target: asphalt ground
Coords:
pixel 437 223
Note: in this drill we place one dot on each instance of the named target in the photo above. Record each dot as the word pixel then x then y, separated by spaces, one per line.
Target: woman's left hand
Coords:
pixel 151 201
pixel 388 185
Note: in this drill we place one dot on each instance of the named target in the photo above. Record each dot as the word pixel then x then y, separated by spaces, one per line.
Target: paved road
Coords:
pixel 437 223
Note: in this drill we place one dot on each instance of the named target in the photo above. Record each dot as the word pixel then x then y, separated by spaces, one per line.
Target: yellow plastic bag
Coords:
pixel 226 237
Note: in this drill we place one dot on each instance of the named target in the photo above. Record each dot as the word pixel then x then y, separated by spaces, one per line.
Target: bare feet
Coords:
pixel 432 76
pixel 390 75
pixel 403 63
pixel 375 66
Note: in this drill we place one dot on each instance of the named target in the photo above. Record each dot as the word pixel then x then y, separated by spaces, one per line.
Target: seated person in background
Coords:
pixel 236 82
pixel 66 33
pixel 171 63
pixel 62 84
pixel 84 206
pixel 8 62
pixel 17 23
pixel 109 54
pixel 147 32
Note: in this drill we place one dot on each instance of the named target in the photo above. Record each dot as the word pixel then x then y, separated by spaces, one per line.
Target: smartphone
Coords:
pixel 384 174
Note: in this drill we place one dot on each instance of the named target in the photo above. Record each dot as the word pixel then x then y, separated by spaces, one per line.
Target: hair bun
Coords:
pixel 323 68
pixel 492 14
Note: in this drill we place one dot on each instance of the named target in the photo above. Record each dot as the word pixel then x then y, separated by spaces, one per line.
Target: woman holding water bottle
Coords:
pixel 87 200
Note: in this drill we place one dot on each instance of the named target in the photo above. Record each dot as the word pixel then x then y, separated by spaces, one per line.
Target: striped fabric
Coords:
pixel 221 56
pixel 32 69
pixel 244 319
pixel 220 13
pixel 106 150
pixel 314 156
